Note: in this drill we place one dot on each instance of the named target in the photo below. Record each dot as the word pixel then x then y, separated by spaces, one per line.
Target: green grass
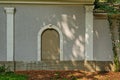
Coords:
pixel 12 76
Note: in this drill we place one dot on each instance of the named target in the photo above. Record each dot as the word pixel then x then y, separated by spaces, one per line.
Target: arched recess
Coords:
pixel 40 38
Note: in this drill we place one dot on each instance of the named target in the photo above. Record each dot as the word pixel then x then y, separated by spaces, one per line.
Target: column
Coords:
pixel 89 32
pixel 10 32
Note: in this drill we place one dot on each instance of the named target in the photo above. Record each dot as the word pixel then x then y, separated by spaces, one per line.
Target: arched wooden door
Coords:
pixel 50 45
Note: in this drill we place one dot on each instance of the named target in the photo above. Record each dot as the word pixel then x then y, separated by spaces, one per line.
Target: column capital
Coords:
pixel 89 8
pixel 9 10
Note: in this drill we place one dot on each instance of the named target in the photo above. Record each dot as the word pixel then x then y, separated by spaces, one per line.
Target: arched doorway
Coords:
pixel 57 32
pixel 50 45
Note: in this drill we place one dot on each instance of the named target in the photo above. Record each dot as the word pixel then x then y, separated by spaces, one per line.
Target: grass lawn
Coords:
pixel 12 76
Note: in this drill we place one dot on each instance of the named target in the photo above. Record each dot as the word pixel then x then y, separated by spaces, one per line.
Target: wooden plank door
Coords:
pixel 50 45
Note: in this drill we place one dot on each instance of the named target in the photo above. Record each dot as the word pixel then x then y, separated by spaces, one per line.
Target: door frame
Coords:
pixel 40 38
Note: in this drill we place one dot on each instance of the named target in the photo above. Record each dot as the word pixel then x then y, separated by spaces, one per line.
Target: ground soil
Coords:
pixel 70 75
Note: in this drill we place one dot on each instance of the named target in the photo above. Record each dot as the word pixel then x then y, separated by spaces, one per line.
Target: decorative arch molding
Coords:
pixel 50 26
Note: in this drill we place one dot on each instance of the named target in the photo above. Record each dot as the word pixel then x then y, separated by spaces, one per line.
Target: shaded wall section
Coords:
pixel 3 53
pixel 102 41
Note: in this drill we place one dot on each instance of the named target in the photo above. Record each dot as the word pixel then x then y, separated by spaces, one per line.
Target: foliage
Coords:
pixel 107 6
pixel 113 1
pixel 97 4
pixel 3 69
pixel 115 43
pixel 12 76
pixel 6 74
pixel 109 9
pixel 116 59
pixel 113 12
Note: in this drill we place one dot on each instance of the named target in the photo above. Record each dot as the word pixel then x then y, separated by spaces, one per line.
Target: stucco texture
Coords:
pixel 3 55
pixel 102 41
pixel 70 20
pixel 30 19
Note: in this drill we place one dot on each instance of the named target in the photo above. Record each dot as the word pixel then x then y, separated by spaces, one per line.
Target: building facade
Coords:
pixel 43 31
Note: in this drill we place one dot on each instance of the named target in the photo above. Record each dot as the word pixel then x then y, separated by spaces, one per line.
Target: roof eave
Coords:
pixel 82 2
